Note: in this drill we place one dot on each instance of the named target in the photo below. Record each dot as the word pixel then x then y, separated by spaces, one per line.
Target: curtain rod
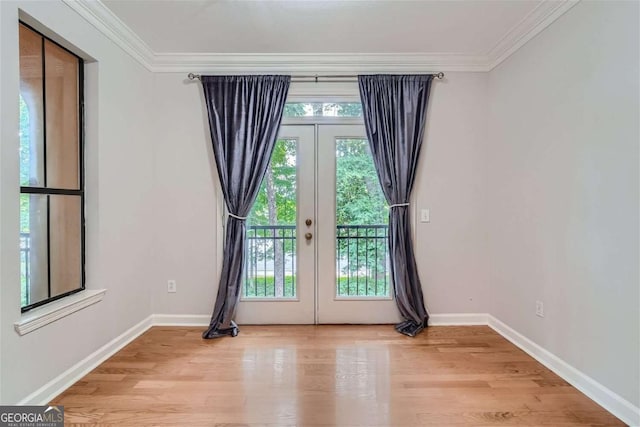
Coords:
pixel 315 78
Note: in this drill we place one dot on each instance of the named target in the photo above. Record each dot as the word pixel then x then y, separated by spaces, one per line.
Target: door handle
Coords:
pixel 308 236
pixel 308 222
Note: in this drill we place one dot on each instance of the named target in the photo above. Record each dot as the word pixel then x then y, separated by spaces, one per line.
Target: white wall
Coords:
pixel 451 249
pixel 447 182
pixel 120 203
pixel 187 210
pixel 562 159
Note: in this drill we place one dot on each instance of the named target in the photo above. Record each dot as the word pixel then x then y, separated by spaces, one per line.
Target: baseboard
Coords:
pixel 53 388
pixel 461 319
pixel 181 319
pixel 603 396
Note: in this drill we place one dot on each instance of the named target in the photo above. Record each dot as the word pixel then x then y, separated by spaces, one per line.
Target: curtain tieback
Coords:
pixel 236 216
pixel 397 205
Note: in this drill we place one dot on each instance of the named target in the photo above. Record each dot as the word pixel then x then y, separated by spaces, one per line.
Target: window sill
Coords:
pixel 42 316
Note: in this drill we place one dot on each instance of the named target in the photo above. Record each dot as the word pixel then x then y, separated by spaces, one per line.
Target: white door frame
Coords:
pixel 301 309
pixel 316 300
pixel 330 307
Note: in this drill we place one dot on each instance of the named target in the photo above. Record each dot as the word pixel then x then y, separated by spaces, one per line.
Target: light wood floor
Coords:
pixel 326 376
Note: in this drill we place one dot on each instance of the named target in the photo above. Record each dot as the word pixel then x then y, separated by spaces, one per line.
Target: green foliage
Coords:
pixel 264 286
pixel 363 286
pixel 359 198
pixel 359 201
pixel 294 109
pixel 362 254
pixel 283 170
pixel 349 109
pixel 263 242
pixel 320 109
pixel 25 158
pixel 261 287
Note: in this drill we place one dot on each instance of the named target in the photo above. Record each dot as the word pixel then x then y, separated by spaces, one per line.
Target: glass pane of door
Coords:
pixel 353 261
pixel 362 255
pixel 270 269
pixel 281 231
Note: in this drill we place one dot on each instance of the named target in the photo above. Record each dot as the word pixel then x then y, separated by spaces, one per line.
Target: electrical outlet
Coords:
pixel 171 286
pixel 539 309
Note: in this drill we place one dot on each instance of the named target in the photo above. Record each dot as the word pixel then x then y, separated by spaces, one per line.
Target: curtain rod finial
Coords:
pixel 192 76
pixel 440 75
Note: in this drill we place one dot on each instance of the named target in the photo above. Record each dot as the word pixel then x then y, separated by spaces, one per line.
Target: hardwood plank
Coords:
pixel 330 375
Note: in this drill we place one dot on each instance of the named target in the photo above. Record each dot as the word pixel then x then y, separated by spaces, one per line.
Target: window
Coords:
pixel 323 109
pixel 51 170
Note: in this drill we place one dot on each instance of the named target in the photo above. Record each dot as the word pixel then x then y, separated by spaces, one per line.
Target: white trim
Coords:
pixel 310 120
pixel 65 380
pixel 42 316
pixel 603 396
pixel 531 25
pixel 461 319
pixel 180 319
pixel 105 21
pixel 316 63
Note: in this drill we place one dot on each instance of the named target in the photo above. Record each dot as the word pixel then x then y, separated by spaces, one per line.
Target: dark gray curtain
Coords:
pixel 395 113
pixel 244 118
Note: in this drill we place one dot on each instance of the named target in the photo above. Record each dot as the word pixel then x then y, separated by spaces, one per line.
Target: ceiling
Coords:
pixel 321 26
pixel 451 34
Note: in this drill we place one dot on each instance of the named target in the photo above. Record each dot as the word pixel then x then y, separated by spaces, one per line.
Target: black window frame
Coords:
pixel 48 191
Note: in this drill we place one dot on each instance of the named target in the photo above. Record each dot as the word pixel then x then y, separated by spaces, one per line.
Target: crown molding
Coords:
pixel 530 26
pixel 316 63
pixel 101 17
pixel 105 21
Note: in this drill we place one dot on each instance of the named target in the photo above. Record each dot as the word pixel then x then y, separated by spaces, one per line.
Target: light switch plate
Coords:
pixel 424 215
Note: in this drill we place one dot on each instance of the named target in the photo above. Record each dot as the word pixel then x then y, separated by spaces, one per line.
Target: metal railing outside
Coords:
pixel 270 268
pixel 362 261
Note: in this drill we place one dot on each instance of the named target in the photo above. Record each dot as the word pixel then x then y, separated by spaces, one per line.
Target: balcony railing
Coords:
pixel 270 269
pixel 362 259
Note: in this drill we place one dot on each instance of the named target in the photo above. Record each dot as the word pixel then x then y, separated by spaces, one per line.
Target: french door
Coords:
pixel 317 248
